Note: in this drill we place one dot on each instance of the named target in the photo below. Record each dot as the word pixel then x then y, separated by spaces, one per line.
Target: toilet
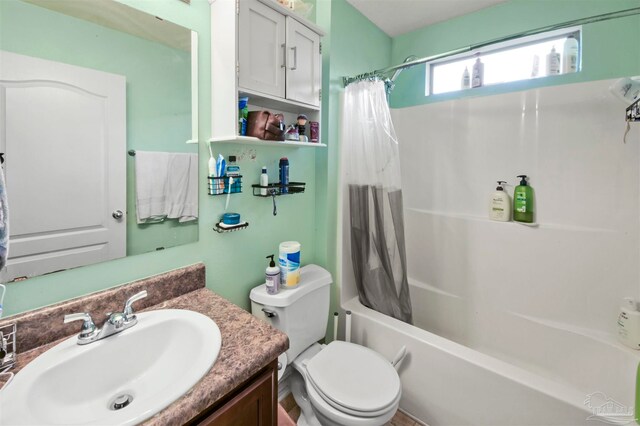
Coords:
pixel 336 384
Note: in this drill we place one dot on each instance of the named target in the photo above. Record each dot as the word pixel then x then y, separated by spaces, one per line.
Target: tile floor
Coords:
pixel 400 419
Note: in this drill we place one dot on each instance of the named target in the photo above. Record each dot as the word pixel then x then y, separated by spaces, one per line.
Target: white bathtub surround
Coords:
pixel 517 325
pixel 372 179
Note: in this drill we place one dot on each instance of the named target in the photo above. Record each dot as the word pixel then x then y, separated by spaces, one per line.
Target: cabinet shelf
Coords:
pixel 274 103
pixel 248 140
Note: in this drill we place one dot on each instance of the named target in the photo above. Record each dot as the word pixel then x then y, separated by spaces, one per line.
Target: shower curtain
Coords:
pixel 372 174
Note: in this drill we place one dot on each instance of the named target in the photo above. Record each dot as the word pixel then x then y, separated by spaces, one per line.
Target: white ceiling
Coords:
pixel 396 17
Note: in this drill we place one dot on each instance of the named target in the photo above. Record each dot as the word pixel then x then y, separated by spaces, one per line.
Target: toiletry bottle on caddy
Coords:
pixel 570 55
pixel 264 181
pixel 500 204
pixel 553 62
pixel 477 73
pixel 284 175
pixel 523 201
pixel 629 323
pixel 465 82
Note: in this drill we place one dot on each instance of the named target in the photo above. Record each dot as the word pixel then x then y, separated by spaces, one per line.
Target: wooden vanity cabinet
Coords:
pixel 254 403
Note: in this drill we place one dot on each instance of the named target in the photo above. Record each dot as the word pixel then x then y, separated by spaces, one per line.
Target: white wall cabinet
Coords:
pixel 264 51
pixel 261 49
pixel 303 63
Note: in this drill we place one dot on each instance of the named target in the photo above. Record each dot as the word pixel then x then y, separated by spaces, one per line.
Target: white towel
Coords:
pixel 166 186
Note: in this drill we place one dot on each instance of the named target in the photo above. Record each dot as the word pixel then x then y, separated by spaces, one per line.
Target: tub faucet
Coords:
pixel 116 322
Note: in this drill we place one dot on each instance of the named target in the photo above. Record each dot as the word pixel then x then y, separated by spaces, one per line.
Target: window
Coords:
pixel 521 59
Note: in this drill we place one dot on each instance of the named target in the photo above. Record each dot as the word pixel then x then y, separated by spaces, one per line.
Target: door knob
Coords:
pixel 117 214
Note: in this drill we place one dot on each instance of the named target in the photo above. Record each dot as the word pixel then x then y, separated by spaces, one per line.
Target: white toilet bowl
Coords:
pixel 344 384
pixel 338 384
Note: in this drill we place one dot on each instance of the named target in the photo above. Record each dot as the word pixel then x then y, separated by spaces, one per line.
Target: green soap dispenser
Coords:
pixel 523 201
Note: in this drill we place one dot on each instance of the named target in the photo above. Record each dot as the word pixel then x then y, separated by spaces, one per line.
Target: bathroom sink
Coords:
pixel 122 379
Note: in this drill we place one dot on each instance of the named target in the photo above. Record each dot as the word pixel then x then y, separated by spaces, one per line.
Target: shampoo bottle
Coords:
pixel 500 204
pixel 570 55
pixel 553 62
pixel 629 323
pixel 523 201
pixel 284 175
pixel 477 80
pixel 466 79
pixel 272 276
pixel 264 181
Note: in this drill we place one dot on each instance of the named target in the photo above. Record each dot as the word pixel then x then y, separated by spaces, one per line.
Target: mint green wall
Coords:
pixel 235 261
pixel 158 103
pixel 610 49
pixel 353 45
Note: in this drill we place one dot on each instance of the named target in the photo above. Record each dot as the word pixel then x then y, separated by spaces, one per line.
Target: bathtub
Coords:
pixel 447 383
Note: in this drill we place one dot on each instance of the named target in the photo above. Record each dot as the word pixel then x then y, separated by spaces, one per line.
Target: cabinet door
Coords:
pixel 261 44
pixel 303 64
pixel 254 406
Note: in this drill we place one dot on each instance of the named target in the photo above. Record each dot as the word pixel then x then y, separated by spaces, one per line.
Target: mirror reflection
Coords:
pixel 81 85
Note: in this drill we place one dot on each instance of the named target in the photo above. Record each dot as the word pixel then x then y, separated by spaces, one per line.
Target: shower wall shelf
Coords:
pixel 276 189
pixel 248 140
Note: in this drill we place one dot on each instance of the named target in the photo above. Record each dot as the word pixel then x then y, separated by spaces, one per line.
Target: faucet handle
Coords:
pixel 128 310
pixel 88 326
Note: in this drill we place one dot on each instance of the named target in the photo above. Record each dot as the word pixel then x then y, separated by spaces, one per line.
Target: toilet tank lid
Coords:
pixel 312 277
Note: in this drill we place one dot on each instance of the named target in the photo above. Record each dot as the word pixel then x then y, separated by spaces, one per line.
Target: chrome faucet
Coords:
pixel 115 323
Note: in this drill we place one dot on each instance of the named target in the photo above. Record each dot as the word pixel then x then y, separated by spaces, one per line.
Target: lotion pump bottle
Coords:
pixel 570 55
pixel 477 77
pixel 466 79
pixel 553 62
pixel 523 201
pixel 500 204
pixel 272 275
pixel 629 323
pixel 264 181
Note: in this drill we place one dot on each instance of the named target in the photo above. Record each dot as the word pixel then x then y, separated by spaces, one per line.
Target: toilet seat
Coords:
pixel 353 379
pixel 338 417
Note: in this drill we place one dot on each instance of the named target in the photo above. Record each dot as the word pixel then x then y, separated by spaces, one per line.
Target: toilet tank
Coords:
pixel 301 313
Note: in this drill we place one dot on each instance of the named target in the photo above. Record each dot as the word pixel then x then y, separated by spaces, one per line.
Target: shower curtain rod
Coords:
pixel 407 64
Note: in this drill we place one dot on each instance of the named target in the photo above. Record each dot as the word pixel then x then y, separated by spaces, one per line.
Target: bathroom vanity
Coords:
pixel 240 388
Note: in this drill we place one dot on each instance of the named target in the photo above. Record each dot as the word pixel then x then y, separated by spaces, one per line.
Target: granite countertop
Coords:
pixel 248 345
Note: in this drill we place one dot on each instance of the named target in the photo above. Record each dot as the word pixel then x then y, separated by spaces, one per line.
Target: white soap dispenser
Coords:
pixel 465 83
pixel 570 55
pixel 629 323
pixel 553 62
pixel 272 276
pixel 477 73
pixel 500 204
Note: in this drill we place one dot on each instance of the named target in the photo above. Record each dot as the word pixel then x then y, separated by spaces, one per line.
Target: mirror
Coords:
pixel 82 84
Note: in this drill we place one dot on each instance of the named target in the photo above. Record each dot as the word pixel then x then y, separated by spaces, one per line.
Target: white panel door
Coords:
pixel 303 64
pixel 64 134
pixel 261 45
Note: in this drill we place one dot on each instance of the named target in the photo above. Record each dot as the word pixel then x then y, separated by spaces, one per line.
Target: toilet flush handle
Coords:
pixel 269 313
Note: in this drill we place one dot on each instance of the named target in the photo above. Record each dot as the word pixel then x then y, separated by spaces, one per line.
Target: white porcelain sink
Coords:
pixel 154 362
